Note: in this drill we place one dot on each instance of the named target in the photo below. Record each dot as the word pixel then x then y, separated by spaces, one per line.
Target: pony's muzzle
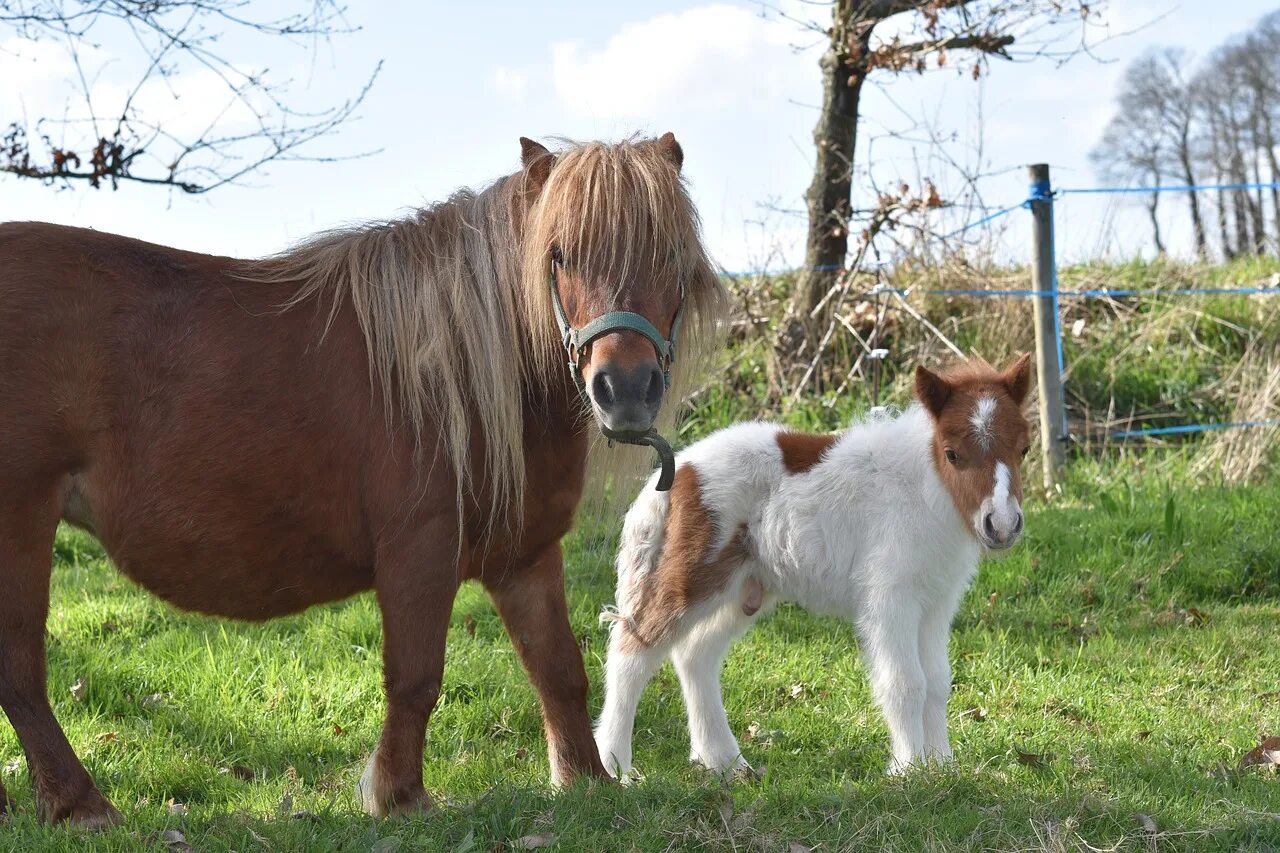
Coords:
pixel 626 398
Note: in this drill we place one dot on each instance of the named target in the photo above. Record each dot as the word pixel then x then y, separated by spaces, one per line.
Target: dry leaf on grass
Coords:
pixel 80 689
pixel 469 624
pixel 534 842
pixel 176 807
pixel 1266 755
pixel 725 807
pixel 974 713
pixel 106 737
pixel 1034 759
pixel 173 839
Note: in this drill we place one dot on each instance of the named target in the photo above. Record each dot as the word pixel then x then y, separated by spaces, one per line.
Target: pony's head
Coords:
pixel 614 267
pixel 979 440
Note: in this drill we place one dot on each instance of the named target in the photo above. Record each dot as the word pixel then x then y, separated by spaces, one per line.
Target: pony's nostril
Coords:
pixel 602 389
pixel 1017 525
pixel 653 393
pixel 989 528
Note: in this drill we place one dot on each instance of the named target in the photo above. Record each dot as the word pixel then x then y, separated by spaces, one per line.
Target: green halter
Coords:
pixel 576 340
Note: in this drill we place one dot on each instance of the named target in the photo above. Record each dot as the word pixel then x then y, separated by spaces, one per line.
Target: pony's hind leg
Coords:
pixel 532 605
pixel 64 790
pixel 699 659
pixel 629 668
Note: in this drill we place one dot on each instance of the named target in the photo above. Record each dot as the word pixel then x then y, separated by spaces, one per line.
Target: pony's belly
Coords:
pixel 237 589
pixel 243 568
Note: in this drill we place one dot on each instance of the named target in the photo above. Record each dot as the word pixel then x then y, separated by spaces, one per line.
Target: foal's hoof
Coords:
pixel 90 810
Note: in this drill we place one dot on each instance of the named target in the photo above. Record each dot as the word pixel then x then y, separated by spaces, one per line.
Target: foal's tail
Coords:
pixel 643 534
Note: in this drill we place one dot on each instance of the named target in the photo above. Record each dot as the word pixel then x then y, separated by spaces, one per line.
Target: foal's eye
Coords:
pixel 951 455
pixel 557 256
pixel 1025 451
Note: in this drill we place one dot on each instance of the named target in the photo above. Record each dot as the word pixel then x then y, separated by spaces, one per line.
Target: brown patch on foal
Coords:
pixel 687 572
pixel 802 450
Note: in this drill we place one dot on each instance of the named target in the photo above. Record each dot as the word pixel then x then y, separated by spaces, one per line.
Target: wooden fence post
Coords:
pixel 1044 282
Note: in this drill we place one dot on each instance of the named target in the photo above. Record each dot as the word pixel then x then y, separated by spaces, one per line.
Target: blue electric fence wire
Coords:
pixel 1041 191
pixel 984 220
pixel 1189 188
pixel 1185 428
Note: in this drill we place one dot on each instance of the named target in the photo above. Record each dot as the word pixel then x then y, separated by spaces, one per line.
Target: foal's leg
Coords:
pixel 64 791
pixel 699 658
pixel 890 632
pixel 628 670
pixel 416 582
pixel 935 632
pixel 531 603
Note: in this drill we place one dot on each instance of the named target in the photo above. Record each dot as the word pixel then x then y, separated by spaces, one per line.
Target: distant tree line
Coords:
pixel 1216 121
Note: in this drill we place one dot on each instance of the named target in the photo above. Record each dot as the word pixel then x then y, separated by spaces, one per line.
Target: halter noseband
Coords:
pixel 576 340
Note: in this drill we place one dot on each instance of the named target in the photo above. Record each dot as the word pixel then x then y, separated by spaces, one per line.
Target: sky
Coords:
pixel 735 81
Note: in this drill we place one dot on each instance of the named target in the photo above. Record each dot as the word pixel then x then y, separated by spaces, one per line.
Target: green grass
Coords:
pixel 1078 648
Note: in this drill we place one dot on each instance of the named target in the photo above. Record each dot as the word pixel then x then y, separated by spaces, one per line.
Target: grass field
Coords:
pixel 1109 675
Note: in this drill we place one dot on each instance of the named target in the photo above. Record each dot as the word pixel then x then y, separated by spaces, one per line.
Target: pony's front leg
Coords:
pixel 531 603
pixel 416 582
pixel 890 632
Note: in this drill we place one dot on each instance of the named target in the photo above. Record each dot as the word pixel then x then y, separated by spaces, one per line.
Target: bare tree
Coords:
pixel 927 32
pixel 102 138
pixel 1132 149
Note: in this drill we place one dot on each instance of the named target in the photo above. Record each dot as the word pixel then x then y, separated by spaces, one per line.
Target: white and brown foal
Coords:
pixel 882 524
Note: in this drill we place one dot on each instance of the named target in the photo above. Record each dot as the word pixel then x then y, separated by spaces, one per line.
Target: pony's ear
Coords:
pixel 669 148
pixel 932 390
pixel 1017 378
pixel 537 161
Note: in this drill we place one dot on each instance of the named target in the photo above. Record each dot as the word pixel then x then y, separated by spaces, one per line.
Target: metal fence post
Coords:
pixel 1044 282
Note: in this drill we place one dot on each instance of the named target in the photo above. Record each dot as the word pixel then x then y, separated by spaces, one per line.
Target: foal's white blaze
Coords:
pixel 983 415
pixel 1003 511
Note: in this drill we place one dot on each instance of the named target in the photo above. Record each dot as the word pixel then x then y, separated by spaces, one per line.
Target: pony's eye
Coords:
pixel 1025 451
pixel 557 256
pixel 951 455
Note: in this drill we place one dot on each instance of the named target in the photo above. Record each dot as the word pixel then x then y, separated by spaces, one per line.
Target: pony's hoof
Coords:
pixel 379 802
pixel 90 810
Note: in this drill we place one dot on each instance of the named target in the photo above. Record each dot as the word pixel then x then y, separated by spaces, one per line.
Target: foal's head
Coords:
pixel 610 234
pixel 979 441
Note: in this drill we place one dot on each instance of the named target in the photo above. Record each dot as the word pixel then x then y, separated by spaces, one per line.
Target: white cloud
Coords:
pixel 510 83
pixel 708 59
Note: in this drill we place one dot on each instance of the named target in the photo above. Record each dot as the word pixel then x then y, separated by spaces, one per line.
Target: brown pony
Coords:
pixel 383 407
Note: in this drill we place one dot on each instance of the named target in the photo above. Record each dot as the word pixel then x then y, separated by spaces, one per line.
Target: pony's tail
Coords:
pixel 643 534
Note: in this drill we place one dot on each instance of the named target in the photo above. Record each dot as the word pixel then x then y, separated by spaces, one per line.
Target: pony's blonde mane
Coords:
pixel 454 304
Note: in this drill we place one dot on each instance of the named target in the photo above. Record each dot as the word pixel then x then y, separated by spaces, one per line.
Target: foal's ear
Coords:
pixel 669 148
pixel 1017 379
pixel 932 389
pixel 536 160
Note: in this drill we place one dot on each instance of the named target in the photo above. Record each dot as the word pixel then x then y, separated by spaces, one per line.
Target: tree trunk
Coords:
pixel 1189 178
pixel 835 139
pixel 1152 211
pixel 1269 142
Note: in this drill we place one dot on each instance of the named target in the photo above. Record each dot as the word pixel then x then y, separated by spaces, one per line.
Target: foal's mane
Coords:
pixel 454 305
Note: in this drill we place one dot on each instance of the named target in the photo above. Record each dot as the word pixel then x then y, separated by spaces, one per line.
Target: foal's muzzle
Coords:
pixel 626 399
